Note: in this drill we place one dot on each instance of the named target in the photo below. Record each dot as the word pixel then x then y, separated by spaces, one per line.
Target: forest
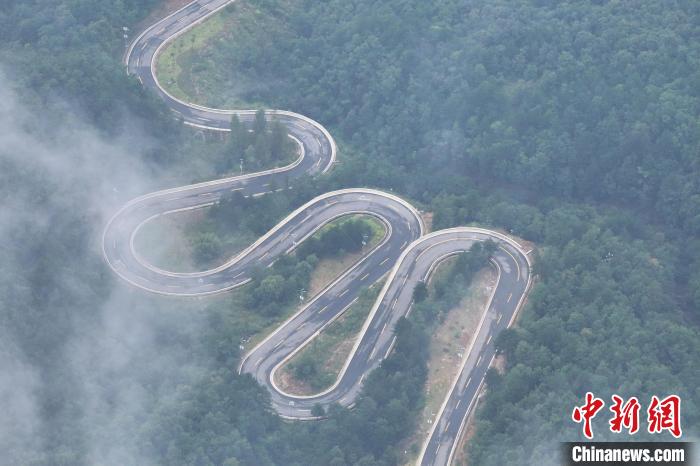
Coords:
pixel 574 125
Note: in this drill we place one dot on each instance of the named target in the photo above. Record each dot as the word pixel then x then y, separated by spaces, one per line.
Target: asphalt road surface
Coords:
pixel 406 255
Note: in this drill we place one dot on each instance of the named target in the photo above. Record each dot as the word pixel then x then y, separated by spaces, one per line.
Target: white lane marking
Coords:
pixel 364 276
pixel 478 360
pixel 382 262
pixel 489 340
pixel 323 308
pixel 499 318
pixel 371 355
pixel 341 294
pixel 391 346
pixel 509 297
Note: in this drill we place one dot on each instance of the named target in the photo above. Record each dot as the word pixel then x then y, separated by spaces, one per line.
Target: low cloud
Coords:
pixel 83 358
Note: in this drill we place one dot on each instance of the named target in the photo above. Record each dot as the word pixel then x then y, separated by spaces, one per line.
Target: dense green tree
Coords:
pixel 206 247
pixel 420 292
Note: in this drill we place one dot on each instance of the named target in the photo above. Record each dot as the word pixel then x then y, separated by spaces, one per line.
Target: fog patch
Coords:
pixel 19 422
pixel 110 353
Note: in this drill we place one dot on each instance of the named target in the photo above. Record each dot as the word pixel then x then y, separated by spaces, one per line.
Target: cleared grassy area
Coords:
pixel 328 269
pixel 317 365
pixel 448 344
pixel 187 69
pixel 172 64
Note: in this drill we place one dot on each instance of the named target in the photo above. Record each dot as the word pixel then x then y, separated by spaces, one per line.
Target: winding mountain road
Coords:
pixel 407 255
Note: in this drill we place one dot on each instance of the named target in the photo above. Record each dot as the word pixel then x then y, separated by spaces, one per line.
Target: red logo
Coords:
pixel 662 415
pixel 587 412
pixel 626 415
pixel 665 415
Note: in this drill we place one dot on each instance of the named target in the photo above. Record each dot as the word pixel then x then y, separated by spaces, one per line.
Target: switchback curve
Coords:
pixel 406 254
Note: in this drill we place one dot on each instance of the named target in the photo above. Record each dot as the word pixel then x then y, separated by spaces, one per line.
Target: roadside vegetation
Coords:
pixel 573 125
pixel 287 281
pixel 203 238
pixel 449 339
pixel 185 66
pixel 551 121
pixel 317 366
pixel 172 63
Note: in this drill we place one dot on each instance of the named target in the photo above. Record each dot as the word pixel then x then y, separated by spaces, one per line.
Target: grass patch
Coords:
pixel 317 365
pixel 173 63
pixel 328 269
pixel 187 67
